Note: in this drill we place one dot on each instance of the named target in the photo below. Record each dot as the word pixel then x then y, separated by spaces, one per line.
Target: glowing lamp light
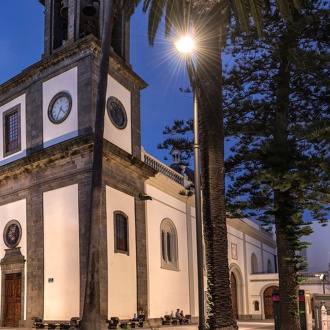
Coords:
pixel 185 45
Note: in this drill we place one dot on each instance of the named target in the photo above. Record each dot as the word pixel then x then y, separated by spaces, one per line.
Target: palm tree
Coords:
pixel 92 316
pixel 211 21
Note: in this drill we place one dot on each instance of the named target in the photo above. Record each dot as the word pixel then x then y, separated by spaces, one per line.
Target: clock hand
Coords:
pixel 58 114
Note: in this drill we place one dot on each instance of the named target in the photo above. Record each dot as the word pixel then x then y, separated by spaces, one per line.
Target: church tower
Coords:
pixel 69 20
pixel 47 116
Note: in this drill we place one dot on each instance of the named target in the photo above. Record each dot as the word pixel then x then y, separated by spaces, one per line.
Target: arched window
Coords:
pixel 121 232
pixel 254 264
pixel 269 266
pixel 169 245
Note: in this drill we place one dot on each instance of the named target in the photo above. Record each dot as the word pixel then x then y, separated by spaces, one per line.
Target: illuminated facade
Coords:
pixel 148 245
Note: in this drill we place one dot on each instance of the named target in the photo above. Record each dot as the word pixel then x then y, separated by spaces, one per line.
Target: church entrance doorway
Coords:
pixel 13 298
pixel 268 302
pixel 233 290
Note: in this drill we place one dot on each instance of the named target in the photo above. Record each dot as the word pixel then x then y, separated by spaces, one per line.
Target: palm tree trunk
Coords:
pixel 92 318
pixel 209 82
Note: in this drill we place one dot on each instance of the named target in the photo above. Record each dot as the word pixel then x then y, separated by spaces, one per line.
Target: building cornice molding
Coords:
pixel 111 150
pixel 170 187
pixel 252 232
pixel 81 145
pixel 88 46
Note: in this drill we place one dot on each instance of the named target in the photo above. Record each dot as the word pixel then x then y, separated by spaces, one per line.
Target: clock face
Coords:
pixel 116 112
pixel 59 107
pixel 12 233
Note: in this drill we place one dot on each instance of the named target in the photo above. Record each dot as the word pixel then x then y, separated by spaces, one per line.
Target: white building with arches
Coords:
pixel 253 268
pixel 170 219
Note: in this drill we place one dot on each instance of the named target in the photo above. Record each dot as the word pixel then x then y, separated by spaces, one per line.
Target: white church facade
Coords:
pixel 148 244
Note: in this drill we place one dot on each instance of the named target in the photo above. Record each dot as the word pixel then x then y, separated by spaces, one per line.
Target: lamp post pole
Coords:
pixel 199 232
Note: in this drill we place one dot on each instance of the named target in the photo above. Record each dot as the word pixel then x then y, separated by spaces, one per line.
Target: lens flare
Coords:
pixel 185 45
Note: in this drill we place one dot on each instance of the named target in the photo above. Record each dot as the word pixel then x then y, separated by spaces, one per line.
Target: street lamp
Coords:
pixel 322 278
pixel 185 46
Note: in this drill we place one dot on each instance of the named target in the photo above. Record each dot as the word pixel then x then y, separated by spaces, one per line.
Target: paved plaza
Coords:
pixel 243 325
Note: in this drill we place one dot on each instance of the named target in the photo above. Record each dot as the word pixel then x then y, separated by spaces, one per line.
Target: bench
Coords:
pixel 40 324
pixel 187 319
pixel 131 324
pixel 73 323
pixel 169 320
pixel 137 322
pixel 113 323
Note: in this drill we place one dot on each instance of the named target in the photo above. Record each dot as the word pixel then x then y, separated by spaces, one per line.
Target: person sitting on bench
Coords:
pixel 179 315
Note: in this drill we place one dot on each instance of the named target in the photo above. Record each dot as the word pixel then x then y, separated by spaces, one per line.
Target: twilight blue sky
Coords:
pixel 21 45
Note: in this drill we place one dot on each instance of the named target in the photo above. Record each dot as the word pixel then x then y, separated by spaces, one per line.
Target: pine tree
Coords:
pixel 277 116
pixel 278 113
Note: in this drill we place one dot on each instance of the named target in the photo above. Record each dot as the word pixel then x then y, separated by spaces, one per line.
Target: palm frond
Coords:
pixel 156 10
pixel 285 10
pixel 226 21
pixel 175 17
pixel 296 4
pixel 256 8
pixel 170 16
pixel 241 8
pixel 130 6
pixel 267 5
pixel 146 5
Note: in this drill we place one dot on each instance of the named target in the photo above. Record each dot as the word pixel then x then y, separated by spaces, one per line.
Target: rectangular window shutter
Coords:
pixel 121 233
pixel 11 131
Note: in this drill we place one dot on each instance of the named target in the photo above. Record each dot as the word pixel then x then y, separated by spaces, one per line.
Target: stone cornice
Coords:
pixel 80 145
pixel 78 49
pixel 112 149
pixel 170 187
pixel 252 232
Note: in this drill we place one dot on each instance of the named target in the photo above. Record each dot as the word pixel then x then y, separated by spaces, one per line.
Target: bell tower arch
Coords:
pixel 69 20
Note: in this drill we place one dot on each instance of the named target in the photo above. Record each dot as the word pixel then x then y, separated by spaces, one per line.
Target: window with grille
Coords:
pixel 121 232
pixel 11 121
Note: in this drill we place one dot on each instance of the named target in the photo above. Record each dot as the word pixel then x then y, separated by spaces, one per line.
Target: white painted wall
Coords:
pixel 55 133
pixel 122 286
pixel 17 101
pixel 168 289
pixel 120 137
pixel 238 266
pixel 61 248
pixel 315 287
pixel 250 287
pixel 258 283
pixel 15 211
